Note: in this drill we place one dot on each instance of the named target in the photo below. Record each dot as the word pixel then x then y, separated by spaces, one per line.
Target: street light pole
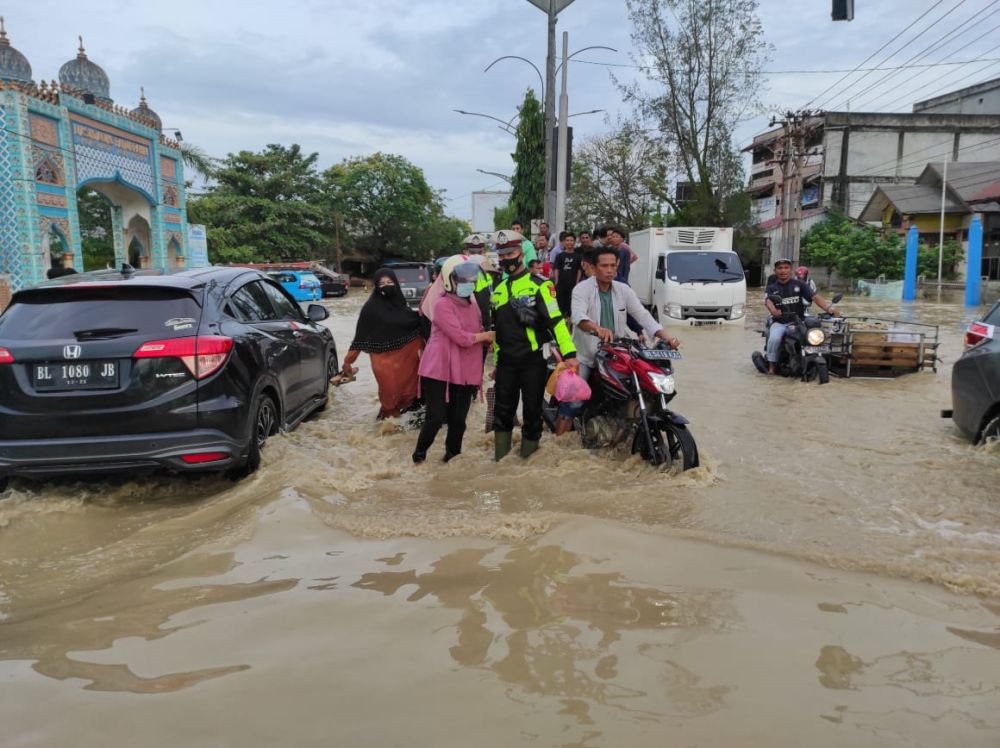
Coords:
pixel 563 147
pixel 550 110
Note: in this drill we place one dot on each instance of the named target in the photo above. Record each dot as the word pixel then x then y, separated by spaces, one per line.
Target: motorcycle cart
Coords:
pixel 880 347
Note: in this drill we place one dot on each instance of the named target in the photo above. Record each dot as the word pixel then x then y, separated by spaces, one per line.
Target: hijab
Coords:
pixel 386 323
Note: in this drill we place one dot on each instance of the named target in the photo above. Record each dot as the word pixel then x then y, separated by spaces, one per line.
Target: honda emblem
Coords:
pixel 72 351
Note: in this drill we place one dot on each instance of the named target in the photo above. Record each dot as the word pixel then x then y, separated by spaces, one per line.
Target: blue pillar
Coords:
pixel 910 274
pixel 974 265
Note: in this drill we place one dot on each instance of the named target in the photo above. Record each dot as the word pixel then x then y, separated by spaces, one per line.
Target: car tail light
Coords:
pixel 6 357
pixel 198 458
pixel 978 332
pixel 202 355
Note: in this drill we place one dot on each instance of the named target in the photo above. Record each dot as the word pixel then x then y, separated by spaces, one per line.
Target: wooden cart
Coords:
pixel 878 347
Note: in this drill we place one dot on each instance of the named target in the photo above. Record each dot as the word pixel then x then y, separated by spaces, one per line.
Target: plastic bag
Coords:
pixel 571 387
pixel 550 385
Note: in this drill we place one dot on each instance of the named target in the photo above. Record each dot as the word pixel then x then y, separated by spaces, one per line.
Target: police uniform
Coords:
pixel 525 315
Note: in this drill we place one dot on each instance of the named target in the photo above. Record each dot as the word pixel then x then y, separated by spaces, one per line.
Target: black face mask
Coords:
pixel 510 265
pixel 386 291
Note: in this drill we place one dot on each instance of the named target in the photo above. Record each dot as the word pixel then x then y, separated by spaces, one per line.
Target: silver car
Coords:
pixel 975 380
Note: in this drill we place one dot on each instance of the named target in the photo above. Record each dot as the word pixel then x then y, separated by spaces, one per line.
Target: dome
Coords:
pixel 145 112
pixel 86 76
pixel 13 65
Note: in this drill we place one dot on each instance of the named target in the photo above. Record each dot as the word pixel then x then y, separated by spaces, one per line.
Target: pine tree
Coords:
pixel 528 186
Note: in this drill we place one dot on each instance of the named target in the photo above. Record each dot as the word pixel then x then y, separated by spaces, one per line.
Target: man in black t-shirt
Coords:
pixel 794 295
pixel 566 272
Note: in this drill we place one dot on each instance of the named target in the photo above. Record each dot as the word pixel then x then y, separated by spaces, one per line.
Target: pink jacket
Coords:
pixel 452 355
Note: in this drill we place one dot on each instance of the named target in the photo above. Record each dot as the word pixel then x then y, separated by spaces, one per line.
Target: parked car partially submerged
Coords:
pixel 413 277
pixel 128 372
pixel 975 380
pixel 332 284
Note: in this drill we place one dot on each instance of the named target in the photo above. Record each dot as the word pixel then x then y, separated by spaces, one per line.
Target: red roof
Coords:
pixel 990 192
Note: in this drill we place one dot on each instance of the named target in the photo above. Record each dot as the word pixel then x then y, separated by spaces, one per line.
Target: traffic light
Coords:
pixel 843 10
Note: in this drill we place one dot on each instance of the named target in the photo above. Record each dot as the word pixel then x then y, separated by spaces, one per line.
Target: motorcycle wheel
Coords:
pixel 673 444
pixel 759 361
pixel 822 372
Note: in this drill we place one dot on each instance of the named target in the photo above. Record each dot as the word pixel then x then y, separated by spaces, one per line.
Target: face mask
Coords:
pixel 465 290
pixel 510 265
pixel 386 291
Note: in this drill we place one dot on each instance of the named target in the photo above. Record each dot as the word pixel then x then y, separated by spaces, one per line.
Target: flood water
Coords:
pixel 829 577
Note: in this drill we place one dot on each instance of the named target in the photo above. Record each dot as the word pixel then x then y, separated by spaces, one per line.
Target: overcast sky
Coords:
pixel 346 78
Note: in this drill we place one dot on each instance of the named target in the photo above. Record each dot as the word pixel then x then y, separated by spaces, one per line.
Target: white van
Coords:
pixel 689 276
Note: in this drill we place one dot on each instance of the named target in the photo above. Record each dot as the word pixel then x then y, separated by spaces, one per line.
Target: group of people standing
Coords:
pixel 437 354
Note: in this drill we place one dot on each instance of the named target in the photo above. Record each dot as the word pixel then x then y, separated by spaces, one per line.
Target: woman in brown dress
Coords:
pixel 392 335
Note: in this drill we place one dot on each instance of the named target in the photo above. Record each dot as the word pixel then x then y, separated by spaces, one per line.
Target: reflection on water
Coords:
pixel 536 625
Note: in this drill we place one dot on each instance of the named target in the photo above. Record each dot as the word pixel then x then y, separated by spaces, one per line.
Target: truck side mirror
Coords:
pixel 661 273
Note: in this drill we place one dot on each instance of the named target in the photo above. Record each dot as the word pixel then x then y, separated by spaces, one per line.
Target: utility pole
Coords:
pixel 551 8
pixel 793 161
pixel 563 144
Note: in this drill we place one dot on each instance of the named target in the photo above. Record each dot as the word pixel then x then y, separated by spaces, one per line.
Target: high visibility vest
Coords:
pixel 517 339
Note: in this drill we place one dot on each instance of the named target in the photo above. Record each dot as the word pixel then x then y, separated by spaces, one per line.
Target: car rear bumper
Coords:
pixel 111 454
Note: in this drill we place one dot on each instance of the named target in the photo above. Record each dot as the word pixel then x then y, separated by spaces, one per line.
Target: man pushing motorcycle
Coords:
pixel 794 296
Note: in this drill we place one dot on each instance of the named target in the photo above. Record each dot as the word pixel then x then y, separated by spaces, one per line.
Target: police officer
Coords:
pixel 525 315
pixel 474 246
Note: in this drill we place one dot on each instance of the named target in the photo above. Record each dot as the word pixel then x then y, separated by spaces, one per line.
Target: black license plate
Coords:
pixel 63 376
pixel 661 354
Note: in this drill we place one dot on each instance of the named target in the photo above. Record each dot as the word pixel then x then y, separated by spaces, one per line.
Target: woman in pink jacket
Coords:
pixel 451 368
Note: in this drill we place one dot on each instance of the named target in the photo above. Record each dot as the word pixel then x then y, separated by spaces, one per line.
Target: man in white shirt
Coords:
pixel 600 307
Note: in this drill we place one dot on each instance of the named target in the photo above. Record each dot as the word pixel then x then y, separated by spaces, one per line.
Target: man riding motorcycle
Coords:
pixel 794 295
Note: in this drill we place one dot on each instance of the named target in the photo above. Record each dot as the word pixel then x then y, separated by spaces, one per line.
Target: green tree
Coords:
pixel 263 206
pixel 504 217
pixel 388 209
pixel 705 60
pixel 528 184
pixel 617 179
pixel 95 229
pixel 927 259
pixel 197 163
pixel 854 251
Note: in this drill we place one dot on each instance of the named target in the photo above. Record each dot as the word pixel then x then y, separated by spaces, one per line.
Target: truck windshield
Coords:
pixel 704 267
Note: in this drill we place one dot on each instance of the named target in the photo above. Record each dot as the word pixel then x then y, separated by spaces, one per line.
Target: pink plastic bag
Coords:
pixel 571 387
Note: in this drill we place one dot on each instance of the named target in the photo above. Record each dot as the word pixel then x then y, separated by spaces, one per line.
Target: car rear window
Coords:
pixel 61 312
pixel 411 275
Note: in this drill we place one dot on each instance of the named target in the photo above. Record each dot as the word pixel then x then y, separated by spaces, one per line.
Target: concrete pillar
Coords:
pixel 910 272
pixel 974 264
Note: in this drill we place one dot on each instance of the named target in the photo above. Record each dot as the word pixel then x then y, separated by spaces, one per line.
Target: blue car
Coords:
pixel 303 285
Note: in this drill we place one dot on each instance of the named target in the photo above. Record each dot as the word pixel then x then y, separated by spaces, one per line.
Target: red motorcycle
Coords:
pixel 631 387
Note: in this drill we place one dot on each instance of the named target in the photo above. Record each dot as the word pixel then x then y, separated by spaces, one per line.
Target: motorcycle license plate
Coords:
pixel 815 349
pixel 661 354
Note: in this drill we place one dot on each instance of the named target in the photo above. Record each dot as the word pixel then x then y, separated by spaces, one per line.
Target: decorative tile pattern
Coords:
pixel 43 129
pixel 172 217
pixel 52 201
pixel 103 153
pixel 9 240
pixel 168 168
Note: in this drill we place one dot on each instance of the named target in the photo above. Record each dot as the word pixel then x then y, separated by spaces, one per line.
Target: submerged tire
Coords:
pixel 991 431
pixel 681 446
pixel 759 361
pixel 264 424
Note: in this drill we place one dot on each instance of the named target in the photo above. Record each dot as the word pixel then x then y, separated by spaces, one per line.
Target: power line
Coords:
pixel 914 58
pixel 872 55
pixel 947 73
pixel 951 36
pixel 812 71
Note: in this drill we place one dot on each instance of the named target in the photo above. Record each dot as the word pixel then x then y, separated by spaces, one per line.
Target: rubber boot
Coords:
pixel 501 445
pixel 528 447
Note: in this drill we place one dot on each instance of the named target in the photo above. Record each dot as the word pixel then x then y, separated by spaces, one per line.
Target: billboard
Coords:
pixel 483 205
pixel 197 246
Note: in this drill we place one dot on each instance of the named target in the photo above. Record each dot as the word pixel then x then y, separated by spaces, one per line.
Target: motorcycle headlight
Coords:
pixel 664 383
pixel 815 336
pixel 737 311
pixel 673 310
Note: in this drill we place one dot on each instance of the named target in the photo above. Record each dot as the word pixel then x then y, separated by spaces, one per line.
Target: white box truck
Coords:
pixel 689 276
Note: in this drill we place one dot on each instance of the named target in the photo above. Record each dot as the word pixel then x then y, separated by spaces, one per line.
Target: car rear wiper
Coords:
pixel 103 332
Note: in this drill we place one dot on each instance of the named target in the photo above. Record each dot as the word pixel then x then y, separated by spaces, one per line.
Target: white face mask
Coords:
pixel 465 290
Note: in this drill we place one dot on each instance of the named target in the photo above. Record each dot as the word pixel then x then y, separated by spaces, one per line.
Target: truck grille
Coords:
pixel 706 312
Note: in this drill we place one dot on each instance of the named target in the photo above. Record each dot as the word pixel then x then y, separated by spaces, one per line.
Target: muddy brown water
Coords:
pixel 830 576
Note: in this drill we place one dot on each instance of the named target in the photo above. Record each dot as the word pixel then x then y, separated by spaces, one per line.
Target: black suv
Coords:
pixel 108 371
pixel 413 277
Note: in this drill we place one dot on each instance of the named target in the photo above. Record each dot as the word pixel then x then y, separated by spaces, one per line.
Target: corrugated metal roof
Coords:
pixel 908 199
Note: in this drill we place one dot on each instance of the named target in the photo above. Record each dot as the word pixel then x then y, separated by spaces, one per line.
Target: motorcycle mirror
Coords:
pixel 775 299
pixel 837 298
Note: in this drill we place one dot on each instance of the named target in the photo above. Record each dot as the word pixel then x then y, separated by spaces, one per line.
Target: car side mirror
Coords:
pixel 317 313
pixel 661 274
pixel 836 299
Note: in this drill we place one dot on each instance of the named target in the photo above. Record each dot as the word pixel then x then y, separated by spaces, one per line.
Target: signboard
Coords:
pixel 810 196
pixel 483 205
pixel 197 246
pixel 104 152
pixel 764 209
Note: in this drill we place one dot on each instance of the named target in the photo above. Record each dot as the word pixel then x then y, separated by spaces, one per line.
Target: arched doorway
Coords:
pixel 137 236
pixel 175 258
pixel 96 230
pixel 57 247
